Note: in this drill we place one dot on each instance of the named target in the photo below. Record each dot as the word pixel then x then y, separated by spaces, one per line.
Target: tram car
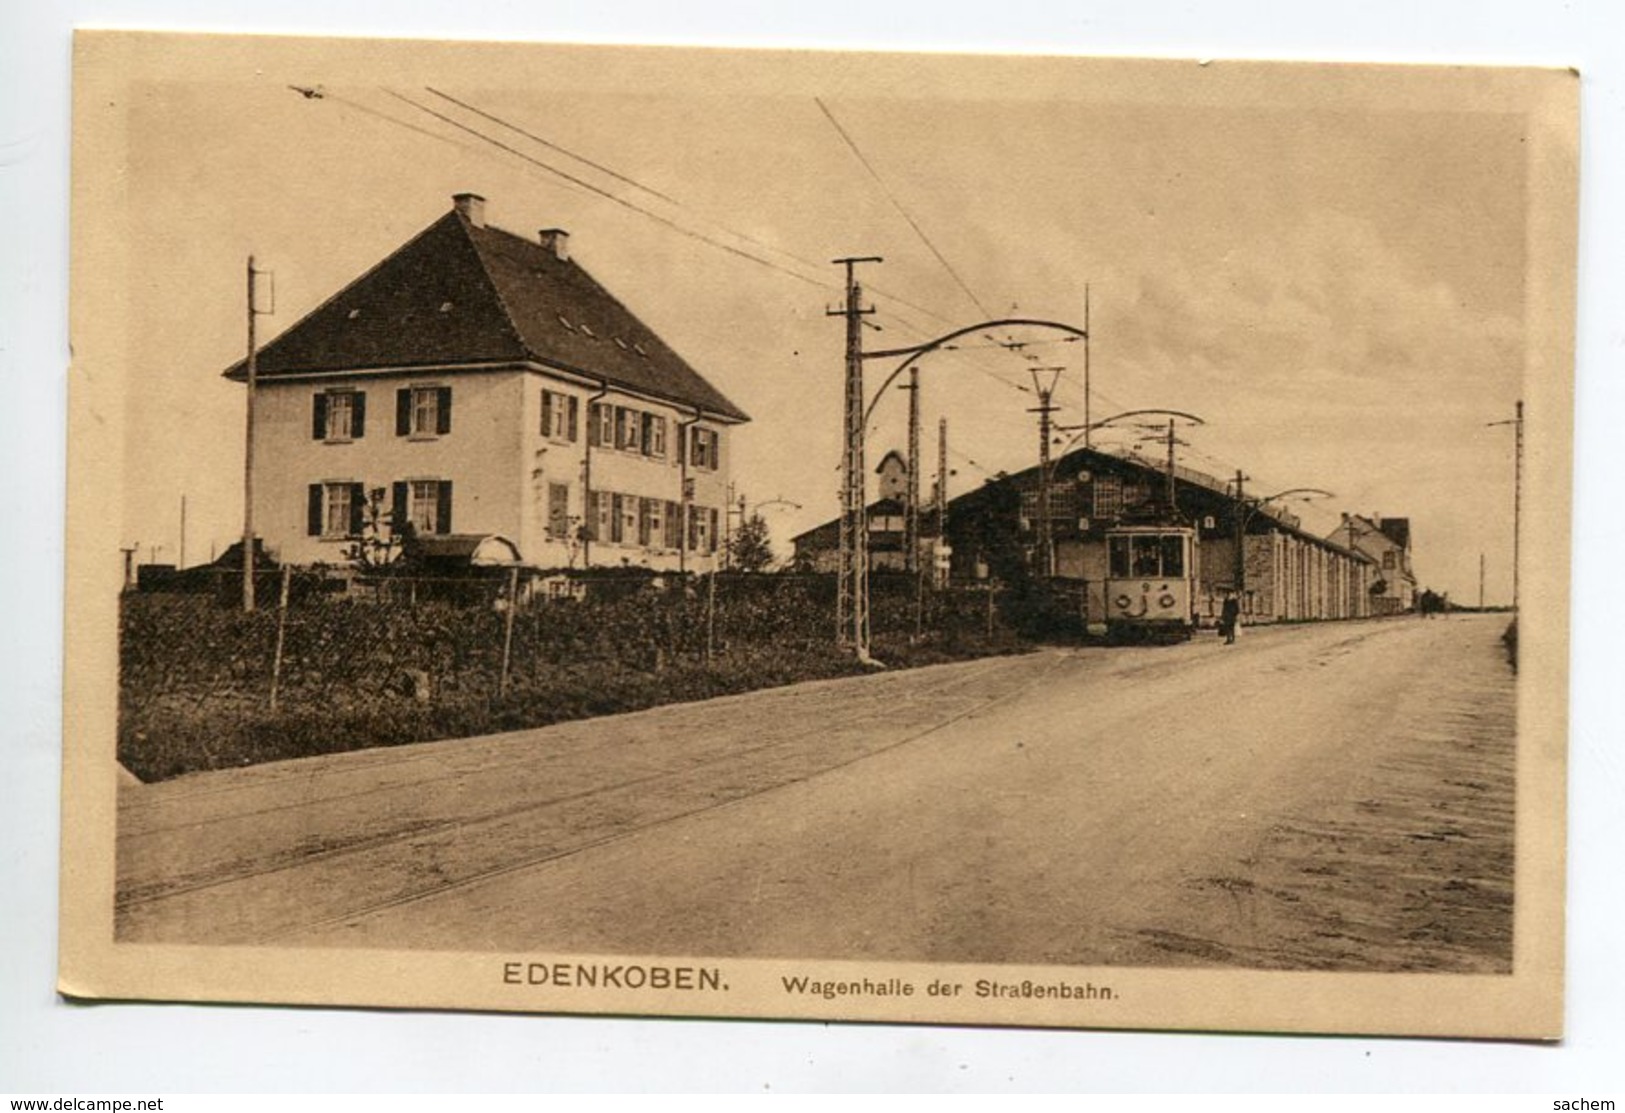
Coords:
pixel 1150 583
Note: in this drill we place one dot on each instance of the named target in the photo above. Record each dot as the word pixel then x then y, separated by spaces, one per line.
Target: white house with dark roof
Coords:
pixel 483 385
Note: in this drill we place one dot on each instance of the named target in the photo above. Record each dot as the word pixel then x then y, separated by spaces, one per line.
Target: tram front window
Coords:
pixel 1173 556
pixel 1148 556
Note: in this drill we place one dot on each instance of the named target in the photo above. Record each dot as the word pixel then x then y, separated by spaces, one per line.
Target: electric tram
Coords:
pixel 1150 583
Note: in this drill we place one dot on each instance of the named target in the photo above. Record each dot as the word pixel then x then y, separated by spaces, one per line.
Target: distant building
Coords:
pixel 481 385
pixel 1387 542
pixel 819 547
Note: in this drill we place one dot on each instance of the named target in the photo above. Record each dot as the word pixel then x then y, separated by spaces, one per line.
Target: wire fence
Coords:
pixel 329 662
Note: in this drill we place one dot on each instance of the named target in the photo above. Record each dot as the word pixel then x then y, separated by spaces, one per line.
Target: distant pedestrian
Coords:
pixel 1229 617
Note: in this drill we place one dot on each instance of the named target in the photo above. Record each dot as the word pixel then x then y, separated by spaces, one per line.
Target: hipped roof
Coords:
pixel 464 293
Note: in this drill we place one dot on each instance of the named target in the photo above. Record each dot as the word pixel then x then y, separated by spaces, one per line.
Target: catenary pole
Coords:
pixel 852 592
pixel 248 453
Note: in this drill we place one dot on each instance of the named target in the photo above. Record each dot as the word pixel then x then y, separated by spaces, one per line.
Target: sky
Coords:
pixel 1327 266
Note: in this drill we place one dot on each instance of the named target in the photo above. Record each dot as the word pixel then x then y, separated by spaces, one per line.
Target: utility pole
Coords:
pixel 248 454
pixel 1088 422
pixel 911 519
pixel 1517 492
pixel 1241 535
pixel 1046 406
pixel 852 592
pixel 942 491
pixel 1480 581
pixel 1173 509
pixel 1517 503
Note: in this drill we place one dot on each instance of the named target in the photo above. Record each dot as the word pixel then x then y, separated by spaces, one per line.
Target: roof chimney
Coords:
pixel 557 240
pixel 472 206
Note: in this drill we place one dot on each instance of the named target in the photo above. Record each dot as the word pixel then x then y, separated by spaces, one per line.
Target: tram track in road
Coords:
pixel 424 859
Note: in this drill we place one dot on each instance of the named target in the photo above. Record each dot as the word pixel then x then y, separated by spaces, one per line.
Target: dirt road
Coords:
pixel 1314 797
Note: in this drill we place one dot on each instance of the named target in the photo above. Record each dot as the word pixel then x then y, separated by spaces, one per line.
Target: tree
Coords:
pixel 383 546
pixel 749 549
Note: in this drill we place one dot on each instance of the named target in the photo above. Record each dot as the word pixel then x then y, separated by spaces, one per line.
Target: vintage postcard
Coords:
pixel 1006 540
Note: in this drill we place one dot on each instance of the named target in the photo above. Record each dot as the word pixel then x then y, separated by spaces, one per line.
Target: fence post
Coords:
pixel 281 630
pixel 710 615
pixel 507 628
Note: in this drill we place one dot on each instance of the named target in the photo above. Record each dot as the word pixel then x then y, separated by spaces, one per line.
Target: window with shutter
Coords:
pixel 443 508
pixel 423 411
pixel 558 416
pixel 335 509
pixel 629 518
pixel 654 436
pixel 558 511
pixel 423 507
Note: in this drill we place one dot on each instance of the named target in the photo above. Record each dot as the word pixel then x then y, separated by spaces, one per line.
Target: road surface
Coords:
pixel 1335 796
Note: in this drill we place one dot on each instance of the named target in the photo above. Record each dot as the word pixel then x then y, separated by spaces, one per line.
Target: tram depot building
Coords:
pixel 1286 573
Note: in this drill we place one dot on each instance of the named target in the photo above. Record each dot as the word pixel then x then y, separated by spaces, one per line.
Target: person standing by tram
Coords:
pixel 1229 617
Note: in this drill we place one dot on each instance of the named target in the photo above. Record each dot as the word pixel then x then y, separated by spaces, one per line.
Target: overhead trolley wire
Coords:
pixel 575 182
pixel 606 194
pixel 550 145
pixel 898 205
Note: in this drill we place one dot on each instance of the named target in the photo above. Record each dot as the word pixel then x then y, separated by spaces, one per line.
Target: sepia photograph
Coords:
pixel 974 539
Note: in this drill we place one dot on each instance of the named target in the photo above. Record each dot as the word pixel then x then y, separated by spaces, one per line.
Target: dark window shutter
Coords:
pixel 593 419
pixel 399 508
pixel 547 413
pixel 358 506
pixel 442 511
pixel 318 417
pixel 313 520
pixel 358 414
pixel 714 524
pixel 570 418
pixel 403 411
pixel 444 417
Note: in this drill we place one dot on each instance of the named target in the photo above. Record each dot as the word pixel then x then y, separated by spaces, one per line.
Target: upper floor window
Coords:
pixel 705 449
pixel 628 429
pixel 1389 559
pixel 338 415
pixel 423 411
pixel 654 435
pixel 559 415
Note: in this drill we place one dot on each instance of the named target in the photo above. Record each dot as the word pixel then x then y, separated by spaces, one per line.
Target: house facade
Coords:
pixel 479 384
pixel 1387 542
